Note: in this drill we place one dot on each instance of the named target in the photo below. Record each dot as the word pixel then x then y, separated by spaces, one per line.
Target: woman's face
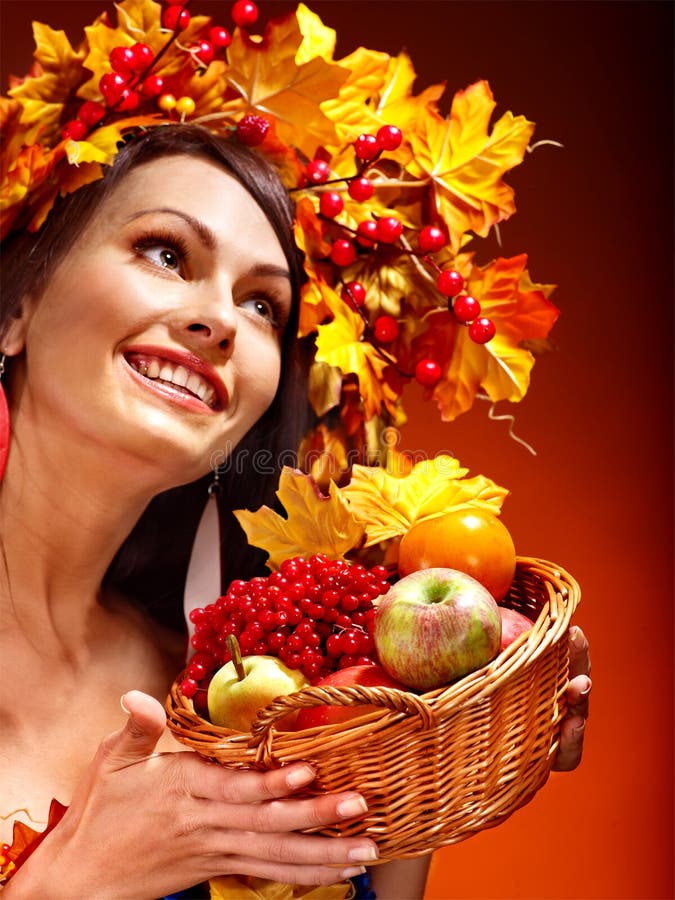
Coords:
pixel 160 332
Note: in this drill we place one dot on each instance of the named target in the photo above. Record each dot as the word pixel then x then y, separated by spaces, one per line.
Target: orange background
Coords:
pixel 595 218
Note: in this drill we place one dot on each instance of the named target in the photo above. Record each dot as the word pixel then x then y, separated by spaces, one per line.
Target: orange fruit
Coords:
pixel 474 541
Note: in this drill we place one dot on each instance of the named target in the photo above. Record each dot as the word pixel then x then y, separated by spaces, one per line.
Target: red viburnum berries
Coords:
pixel 251 130
pixel 314 614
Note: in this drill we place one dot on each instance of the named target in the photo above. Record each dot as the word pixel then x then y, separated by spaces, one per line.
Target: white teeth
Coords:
pixel 178 375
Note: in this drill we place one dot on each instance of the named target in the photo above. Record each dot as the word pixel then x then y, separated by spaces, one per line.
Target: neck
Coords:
pixel 63 516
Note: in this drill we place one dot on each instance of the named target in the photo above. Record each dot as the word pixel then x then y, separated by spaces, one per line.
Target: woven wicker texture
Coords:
pixel 434 768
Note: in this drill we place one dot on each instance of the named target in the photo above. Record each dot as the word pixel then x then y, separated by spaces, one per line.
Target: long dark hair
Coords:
pixel 151 565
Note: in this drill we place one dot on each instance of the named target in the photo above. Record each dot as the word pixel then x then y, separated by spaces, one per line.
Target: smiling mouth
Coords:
pixel 185 381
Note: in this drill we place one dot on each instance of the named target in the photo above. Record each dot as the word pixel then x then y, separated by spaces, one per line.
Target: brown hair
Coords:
pixel 151 565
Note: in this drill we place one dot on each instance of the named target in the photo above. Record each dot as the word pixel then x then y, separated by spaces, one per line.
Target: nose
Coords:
pixel 211 321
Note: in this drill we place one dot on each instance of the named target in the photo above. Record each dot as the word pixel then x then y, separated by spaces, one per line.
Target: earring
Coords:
pixel 4 422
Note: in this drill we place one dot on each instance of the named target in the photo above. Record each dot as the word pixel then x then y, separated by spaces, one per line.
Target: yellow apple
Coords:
pixel 236 695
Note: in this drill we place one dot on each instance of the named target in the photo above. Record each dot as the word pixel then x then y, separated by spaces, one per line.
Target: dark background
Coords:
pixel 597 219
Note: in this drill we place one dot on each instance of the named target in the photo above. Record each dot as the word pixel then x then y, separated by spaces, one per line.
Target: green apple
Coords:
pixel 242 687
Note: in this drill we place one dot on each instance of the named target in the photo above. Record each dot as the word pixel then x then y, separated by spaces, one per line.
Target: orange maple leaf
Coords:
pixel 266 74
pixel 464 162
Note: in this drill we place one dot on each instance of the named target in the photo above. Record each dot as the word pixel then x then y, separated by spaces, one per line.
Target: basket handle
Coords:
pixel 355 695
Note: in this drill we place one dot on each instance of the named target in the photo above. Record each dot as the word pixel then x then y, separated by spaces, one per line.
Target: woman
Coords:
pixel 147 326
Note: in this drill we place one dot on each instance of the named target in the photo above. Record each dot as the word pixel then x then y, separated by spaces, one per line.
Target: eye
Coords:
pixel 165 251
pixel 265 307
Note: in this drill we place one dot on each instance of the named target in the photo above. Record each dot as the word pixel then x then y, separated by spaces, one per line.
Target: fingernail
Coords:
pixel 352 806
pixel 587 691
pixel 122 704
pixel 579 729
pixel 353 871
pixel 299 776
pixel 364 854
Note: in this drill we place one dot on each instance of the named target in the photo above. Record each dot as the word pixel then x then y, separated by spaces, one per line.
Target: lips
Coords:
pixel 182 372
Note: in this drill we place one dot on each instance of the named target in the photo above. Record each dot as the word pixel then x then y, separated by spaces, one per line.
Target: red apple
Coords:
pixel 366 676
pixel 435 625
pixel 513 624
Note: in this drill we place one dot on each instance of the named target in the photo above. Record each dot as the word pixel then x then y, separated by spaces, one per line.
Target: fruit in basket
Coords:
pixel 474 541
pixel 513 625
pixel 434 626
pixel 365 676
pixel 242 687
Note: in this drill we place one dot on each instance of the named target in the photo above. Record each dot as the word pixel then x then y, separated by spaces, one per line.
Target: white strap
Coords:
pixel 203 582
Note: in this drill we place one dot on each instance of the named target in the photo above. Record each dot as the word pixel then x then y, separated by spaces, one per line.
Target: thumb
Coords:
pixel 138 739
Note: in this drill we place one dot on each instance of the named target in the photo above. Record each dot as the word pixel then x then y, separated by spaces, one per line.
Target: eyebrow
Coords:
pixel 208 239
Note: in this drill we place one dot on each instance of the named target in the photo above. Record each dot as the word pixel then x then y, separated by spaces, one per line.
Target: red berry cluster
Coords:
pixel 314 614
pixel 131 81
pixel 388 230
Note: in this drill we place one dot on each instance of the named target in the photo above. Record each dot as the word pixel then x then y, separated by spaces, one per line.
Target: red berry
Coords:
pixel 389 229
pixel 354 294
pixel 317 171
pixel 152 86
pixel 449 282
pixel 367 233
pixel 386 329
pixel 366 147
pixel 482 330
pixel 220 37
pixel 188 687
pixel 111 86
pixel 427 372
pixel 143 56
pixel 175 18
pixel 251 130
pixel 360 189
pixel 465 308
pixel 128 101
pixel 343 252
pixel 204 52
pixel 389 137
pixel 431 239
pixel 75 130
pixel 244 13
pixel 331 204
pixel 122 60
pixel 91 112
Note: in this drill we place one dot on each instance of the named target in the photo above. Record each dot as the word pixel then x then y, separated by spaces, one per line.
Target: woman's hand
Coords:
pixel 578 692
pixel 143 825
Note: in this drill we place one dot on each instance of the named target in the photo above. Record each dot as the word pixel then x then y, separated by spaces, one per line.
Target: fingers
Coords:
pixel 578 695
pixel 580 661
pixel 138 739
pixel 292 874
pixel 571 744
pixel 214 782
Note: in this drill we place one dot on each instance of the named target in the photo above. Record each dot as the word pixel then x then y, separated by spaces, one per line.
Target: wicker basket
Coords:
pixel 434 768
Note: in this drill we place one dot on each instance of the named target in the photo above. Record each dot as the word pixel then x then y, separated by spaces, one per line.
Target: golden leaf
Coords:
pixel 325 387
pixel 318 39
pixel 520 311
pixel 315 523
pixel 396 104
pixel 339 344
pixel 57 72
pixel 466 163
pixel 266 74
pixel 388 505
pixel 349 110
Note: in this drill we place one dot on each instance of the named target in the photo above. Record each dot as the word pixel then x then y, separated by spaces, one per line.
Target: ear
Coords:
pixel 14 339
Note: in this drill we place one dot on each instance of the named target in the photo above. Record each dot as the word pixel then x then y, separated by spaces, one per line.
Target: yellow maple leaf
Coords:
pixel 465 162
pixel 388 505
pixel 521 312
pixel 315 523
pixel 57 71
pixel 350 110
pixel 318 39
pixel 396 104
pixel 339 344
pixel 266 74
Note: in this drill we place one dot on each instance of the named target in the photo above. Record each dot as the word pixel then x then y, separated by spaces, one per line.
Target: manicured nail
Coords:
pixel 299 776
pixel 364 854
pixel 353 871
pixel 352 806
pixel 587 691
pixel 123 705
